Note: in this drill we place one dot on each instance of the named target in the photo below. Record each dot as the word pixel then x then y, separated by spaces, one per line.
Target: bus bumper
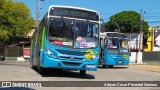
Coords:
pixel 69 64
pixel 119 62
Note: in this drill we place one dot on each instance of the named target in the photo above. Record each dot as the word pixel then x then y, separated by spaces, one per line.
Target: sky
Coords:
pixel 106 8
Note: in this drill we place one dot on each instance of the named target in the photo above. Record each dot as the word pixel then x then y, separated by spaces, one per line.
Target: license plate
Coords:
pixel 119 62
pixel 91 66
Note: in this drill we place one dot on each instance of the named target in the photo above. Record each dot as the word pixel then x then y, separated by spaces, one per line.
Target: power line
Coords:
pixel 153 13
pixel 152 16
pixel 154 22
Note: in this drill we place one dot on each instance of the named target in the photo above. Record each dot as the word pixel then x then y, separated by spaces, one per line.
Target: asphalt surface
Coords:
pixel 22 71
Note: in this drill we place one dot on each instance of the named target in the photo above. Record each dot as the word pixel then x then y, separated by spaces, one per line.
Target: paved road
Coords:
pixel 22 71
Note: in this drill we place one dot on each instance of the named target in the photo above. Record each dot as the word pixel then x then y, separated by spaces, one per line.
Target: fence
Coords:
pixel 2 50
pixel 11 53
pixel 151 57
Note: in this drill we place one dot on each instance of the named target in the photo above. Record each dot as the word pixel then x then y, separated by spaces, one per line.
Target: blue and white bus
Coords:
pixel 67 38
pixel 114 49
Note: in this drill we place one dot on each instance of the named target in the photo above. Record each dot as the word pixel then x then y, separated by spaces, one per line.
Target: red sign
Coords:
pixel 26 52
pixel 58 42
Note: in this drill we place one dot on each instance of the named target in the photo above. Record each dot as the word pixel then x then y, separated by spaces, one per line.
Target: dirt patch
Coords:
pixel 152 68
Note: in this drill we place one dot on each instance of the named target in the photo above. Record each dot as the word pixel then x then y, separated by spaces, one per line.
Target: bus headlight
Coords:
pixel 94 57
pixel 49 53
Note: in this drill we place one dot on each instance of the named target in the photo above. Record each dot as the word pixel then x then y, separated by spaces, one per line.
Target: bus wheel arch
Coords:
pixel 40 69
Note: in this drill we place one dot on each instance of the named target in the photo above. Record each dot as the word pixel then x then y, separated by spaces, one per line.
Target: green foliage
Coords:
pixel 15 20
pixel 127 22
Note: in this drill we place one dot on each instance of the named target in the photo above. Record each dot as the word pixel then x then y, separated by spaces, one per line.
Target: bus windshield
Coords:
pixel 113 45
pixel 116 45
pixel 123 46
pixel 73 33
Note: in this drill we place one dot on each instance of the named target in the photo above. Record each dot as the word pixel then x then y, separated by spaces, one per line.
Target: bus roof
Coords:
pixel 113 34
pixel 60 6
pixel 73 12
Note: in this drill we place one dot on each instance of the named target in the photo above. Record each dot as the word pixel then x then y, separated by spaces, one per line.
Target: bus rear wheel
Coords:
pixel 33 67
pixel 82 72
pixel 40 69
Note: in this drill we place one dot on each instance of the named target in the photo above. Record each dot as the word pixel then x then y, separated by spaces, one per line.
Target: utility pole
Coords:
pixel 140 38
pixel 37 12
pixel 141 18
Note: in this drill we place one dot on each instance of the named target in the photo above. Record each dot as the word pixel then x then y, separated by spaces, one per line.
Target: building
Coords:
pixel 21 47
pixel 150 42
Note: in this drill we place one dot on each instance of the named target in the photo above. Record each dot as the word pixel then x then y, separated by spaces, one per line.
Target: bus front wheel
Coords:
pixel 40 70
pixel 110 66
pixel 103 66
pixel 83 72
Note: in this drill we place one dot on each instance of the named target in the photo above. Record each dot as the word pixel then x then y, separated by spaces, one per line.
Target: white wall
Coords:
pixel 136 56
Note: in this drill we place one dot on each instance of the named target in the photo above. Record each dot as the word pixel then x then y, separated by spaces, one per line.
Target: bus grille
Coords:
pixel 71 64
pixel 75 58
pixel 72 52
pixel 119 58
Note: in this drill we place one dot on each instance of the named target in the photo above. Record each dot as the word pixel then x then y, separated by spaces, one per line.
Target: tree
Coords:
pixel 127 21
pixel 15 20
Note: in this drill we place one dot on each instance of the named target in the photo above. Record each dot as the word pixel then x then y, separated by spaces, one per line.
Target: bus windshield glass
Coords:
pixel 116 45
pixel 123 46
pixel 73 33
pixel 113 45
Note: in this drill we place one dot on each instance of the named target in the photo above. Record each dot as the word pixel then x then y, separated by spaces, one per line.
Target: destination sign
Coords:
pixel 76 13
pixel 119 35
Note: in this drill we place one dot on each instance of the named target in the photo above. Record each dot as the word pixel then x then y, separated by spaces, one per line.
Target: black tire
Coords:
pixel 59 70
pixel 82 72
pixel 40 70
pixel 33 67
pixel 110 66
pixel 103 66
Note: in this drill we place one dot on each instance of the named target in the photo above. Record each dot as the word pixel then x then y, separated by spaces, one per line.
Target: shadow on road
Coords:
pixel 115 67
pixel 65 73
